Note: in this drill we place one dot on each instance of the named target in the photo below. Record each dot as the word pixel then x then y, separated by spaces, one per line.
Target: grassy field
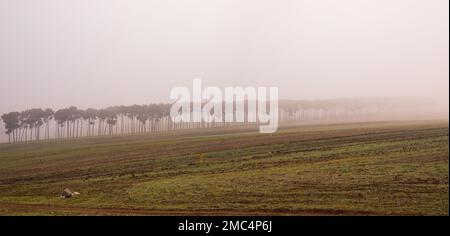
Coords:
pixel 377 168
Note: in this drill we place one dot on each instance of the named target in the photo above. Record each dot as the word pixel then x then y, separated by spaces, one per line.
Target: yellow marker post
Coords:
pixel 200 158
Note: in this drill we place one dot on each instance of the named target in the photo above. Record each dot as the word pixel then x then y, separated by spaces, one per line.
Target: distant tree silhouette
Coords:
pixel 70 122
pixel 11 121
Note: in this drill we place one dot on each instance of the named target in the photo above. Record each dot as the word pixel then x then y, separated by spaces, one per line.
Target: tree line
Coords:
pixel 72 122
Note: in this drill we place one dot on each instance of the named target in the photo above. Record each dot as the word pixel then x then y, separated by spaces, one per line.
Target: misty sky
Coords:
pixel 91 53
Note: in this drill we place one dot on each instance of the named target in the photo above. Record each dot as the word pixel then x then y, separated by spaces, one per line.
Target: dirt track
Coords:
pixel 24 208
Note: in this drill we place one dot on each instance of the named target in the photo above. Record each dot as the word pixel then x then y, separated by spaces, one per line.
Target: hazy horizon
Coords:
pixel 101 53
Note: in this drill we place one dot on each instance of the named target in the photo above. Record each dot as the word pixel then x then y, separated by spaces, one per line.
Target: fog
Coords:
pixel 99 53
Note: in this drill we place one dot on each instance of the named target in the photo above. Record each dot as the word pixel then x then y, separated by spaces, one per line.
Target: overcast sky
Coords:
pixel 92 53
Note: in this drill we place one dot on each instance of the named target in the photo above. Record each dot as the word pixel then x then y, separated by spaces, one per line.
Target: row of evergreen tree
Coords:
pixel 73 122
